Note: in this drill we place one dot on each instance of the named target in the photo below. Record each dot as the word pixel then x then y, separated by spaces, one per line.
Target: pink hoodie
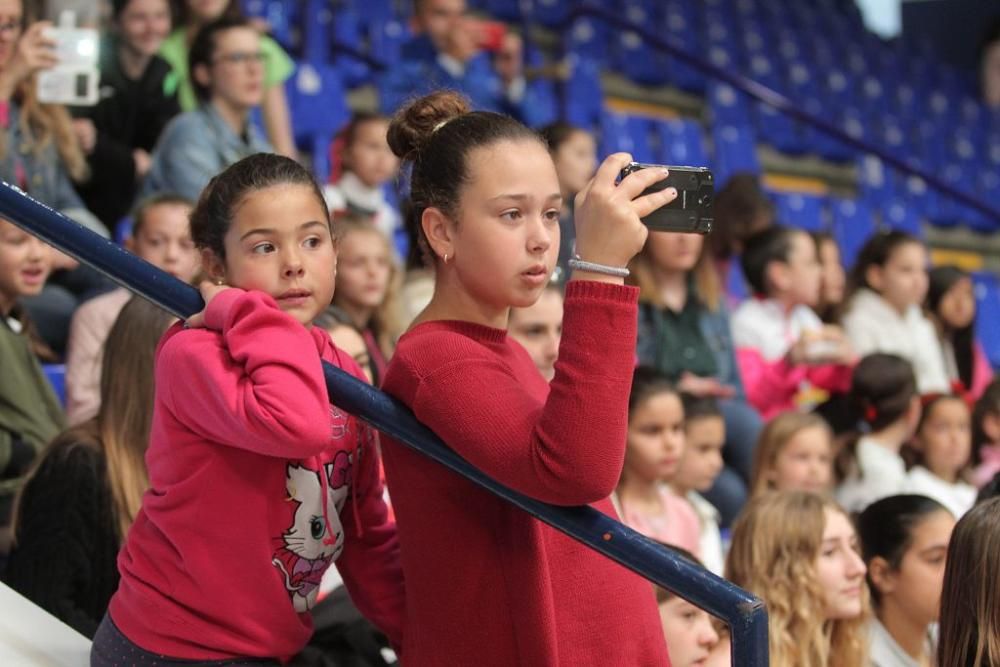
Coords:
pixel 225 558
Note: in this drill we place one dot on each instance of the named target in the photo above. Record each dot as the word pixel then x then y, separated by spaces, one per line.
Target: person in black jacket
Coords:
pixel 80 499
pixel 138 96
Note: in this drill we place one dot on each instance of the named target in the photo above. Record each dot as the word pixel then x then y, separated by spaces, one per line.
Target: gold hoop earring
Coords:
pixel 445 258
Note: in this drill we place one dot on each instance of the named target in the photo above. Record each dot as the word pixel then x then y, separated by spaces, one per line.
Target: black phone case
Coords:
pixel 691 212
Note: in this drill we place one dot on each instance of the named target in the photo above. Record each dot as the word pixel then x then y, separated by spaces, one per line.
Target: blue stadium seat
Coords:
pixel 640 63
pixel 589 37
pixel 122 230
pixel 347 31
pixel 550 12
pixel 852 223
pixel 584 95
pixel 625 132
pixel 318 103
pixel 279 14
pixel 735 150
pixel 736 282
pixel 728 106
pixel 56 375
pixel 681 142
pixel 901 216
pixel 987 290
pixel 801 210
pixel 779 130
pixel 385 40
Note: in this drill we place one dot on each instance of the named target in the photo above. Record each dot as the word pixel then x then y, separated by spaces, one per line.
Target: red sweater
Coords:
pixel 226 555
pixel 486 583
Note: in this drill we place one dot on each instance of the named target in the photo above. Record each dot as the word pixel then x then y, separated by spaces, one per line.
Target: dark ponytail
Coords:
pixel 882 388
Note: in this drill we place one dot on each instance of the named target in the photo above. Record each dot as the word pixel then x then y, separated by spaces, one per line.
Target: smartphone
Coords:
pixel 691 212
pixel 492 34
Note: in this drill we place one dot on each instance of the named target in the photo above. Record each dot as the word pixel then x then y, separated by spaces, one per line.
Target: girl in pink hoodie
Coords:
pixel 257 483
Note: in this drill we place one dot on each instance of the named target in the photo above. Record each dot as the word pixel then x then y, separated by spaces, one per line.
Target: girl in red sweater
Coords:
pixel 257 483
pixel 486 583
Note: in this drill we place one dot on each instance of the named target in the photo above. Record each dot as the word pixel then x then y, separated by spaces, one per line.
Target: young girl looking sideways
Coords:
pixel 367 287
pixel 870 464
pixel 942 446
pixel 884 314
pixel 951 306
pixel 242 425
pixel 366 165
pixel 970 598
pixel 486 200
pixel 904 541
pixel 794 453
pixel 653 453
pixel 799 553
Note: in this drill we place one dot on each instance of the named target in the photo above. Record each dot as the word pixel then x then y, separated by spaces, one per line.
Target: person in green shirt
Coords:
pixel 30 414
pixel 278 66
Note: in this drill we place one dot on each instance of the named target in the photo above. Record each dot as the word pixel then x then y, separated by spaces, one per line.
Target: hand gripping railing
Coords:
pixel 744 613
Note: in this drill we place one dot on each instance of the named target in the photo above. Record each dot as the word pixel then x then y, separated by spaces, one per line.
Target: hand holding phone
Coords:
pixel 607 219
pixel 691 211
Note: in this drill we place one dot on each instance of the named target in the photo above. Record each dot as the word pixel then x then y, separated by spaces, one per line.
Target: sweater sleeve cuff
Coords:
pixel 219 308
pixel 591 289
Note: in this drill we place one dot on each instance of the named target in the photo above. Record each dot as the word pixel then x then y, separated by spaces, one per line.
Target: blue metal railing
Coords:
pixel 744 613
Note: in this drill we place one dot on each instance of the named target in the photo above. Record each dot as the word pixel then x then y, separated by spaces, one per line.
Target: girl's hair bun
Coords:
pixel 414 124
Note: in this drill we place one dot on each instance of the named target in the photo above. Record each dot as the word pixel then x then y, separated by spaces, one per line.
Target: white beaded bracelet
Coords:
pixel 578 264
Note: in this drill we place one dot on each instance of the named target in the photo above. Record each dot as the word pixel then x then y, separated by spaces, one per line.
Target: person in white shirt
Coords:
pixel 781 345
pixel 700 465
pixel 943 448
pixel 904 543
pixel 887 287
pixel 364 164
pixel 884 390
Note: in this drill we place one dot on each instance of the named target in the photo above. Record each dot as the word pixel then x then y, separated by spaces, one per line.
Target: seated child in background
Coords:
pixel 941 449
pixel 539 329
pixel 904 541
pixel 869 465
pixel 781 344
pixel 161 235
pixel 30 414
pixel 951 307
pixel 366 164
pixel 689 630
pixel 986 435
pixel 653 452
pixel 346 337
pixel 833 281
pixel 368 287
pixel 884 312
pixel 700 465
pixel 794 453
